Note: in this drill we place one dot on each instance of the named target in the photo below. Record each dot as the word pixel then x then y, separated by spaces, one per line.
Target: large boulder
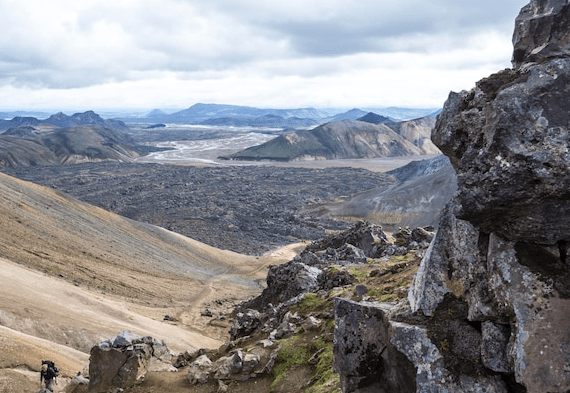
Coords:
pixel 363 355
pixel 496 278
pixel 122 361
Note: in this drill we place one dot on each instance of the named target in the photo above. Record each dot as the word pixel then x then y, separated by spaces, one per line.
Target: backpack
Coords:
pixel 51 370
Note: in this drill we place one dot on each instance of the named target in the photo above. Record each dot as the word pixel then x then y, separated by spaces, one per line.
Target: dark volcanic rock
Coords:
pixel 542 32
pixel 248 209
pixel 513 171
pixel 495 282
pixel 361 337
pixel 122 361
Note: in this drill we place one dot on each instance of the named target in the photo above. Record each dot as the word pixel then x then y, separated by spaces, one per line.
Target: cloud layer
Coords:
pixel 293 53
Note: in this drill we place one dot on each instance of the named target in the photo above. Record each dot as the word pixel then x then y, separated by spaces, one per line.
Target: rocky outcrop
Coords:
pixel 489 308
pixel 365 358
pixel 312 270
pixel 123 361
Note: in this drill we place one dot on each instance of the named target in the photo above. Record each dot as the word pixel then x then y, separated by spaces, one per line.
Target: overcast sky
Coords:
pixel 84 54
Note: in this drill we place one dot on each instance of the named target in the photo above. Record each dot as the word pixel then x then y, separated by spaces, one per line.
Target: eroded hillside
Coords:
pixel 73 273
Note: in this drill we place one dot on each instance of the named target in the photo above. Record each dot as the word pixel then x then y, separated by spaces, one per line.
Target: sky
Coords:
pixel 92 54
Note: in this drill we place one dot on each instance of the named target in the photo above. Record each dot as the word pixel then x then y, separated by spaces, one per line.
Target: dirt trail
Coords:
pixel 219 299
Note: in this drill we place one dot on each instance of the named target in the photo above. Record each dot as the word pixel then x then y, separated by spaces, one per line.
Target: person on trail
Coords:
pixel 48 374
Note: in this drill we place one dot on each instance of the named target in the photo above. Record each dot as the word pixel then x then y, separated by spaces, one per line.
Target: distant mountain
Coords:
pixel 373 118
pixel 200 113
pixel 11 114
pixel 402 114
pixel 418 132
pixel 156 113
pixel 62 121
pixel 269 120
pixel 352 114
pixel 18 122
pixel 23 132
pixel 23 147
pixel 235 115
pixel 346 139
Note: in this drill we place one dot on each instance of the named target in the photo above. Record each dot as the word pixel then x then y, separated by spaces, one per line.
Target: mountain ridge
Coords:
pixel 31 146
pixel 346 139
pixel 61 120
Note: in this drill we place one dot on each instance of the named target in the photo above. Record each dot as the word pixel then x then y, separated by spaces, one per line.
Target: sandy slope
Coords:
pixel 71 274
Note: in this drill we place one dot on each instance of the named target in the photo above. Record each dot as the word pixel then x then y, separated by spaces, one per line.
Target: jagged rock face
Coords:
pixel 542 32
pixel 508 140
pixel 495 282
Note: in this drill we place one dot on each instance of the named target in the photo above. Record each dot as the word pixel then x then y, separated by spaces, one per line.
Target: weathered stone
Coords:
pixel 432 376
pixel 361 353
pixel 494 346
pixel 541 342
pixel 348 254
pixel 124 360
pixel 362 235
pixel 360 290
pixel 455 248
pixel 227 366
pixel 245 323
pixel 73 385
pixel 250 362
pixel 311 323
pixel 200 369
pixel 508 141
pixel 542 32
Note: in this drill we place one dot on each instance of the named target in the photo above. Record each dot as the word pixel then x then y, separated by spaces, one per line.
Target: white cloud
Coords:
pixel 296 53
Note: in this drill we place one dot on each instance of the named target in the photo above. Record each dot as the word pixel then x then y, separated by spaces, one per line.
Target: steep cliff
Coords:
pixel 489 309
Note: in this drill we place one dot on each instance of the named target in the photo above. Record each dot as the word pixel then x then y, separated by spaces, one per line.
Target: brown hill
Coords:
pixel 71 274
pixel 346 139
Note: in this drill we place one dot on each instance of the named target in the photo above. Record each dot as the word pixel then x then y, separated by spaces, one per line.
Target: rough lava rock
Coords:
pixel 489 309
pixel 542 32
pixel 311 271
pixel 123 361
pixel 361 335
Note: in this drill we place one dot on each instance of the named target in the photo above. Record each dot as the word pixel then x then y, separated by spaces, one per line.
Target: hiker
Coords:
pixel 48 374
